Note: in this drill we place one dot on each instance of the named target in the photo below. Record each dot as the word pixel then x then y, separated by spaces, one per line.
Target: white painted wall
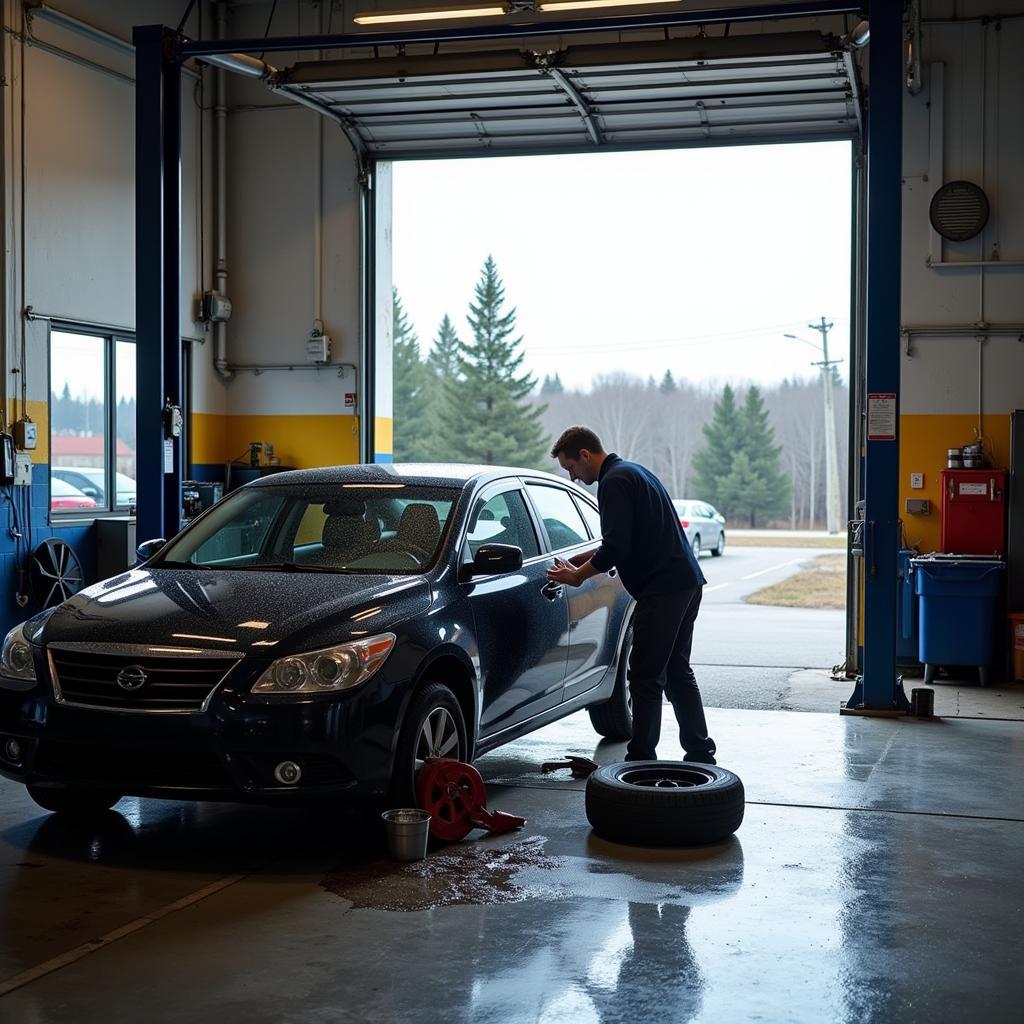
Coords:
pixel 77 165
pixel 981 136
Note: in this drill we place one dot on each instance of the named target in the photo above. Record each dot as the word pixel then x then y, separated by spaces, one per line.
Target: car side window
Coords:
pixel 592 517
pixel 503 519
pixel 561 517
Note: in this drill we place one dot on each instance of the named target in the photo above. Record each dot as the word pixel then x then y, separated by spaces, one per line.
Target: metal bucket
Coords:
pixel 408 830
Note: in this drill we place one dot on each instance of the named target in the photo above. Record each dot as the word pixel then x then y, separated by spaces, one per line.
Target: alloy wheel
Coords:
pixel 438 737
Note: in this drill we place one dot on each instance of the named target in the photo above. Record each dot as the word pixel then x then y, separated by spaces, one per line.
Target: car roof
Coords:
pixel 63 489
pixel 436 474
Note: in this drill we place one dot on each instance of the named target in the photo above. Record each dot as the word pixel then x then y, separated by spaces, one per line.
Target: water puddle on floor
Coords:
pixel 472 873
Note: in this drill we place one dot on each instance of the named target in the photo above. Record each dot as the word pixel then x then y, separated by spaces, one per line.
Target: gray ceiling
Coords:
pixel 798 86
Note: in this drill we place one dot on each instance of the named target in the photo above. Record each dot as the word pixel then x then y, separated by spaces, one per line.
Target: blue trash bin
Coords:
pixel 956 611
pixel 906 611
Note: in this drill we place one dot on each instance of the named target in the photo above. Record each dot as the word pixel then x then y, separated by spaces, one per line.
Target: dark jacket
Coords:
pixel 640 532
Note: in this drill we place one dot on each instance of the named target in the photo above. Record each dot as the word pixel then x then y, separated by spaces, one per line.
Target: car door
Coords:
pixel 712 529
pixel 566 534
pixel 521 618
pixel 595 611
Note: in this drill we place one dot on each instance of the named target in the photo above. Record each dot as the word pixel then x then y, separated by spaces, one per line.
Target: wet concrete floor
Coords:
pixel 876 877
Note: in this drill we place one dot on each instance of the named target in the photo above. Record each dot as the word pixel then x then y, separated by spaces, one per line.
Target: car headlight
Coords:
pixel 327 670
pixel 16 661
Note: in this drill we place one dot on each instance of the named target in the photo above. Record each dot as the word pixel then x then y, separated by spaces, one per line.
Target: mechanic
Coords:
pixel 642 537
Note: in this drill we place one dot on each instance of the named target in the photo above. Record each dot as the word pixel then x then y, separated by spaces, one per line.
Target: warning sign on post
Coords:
pixel 881 417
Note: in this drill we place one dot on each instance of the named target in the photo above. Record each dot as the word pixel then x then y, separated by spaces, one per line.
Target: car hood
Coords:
pixel 258 612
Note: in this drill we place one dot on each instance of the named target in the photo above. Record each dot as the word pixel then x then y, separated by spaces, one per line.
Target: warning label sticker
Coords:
pixel 882 417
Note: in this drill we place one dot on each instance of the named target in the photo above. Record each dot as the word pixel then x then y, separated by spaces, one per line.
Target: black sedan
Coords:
pixel 319 633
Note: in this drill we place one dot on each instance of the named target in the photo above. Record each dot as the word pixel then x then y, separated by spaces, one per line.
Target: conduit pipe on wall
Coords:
pixel 220 121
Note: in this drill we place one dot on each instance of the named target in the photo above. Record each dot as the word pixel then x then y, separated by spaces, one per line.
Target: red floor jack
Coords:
pixel 455 795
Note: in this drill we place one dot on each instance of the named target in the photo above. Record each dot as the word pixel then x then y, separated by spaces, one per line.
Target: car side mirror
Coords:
pixel 90 492
pixel 148 548
pixel 493 560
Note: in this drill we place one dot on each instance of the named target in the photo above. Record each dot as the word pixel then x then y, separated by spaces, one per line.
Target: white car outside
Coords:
pixel 703 525
pixel 90 480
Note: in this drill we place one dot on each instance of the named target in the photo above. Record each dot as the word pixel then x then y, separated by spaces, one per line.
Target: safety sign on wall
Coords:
pixel 882 416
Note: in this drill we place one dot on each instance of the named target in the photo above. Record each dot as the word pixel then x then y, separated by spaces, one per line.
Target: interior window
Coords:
pixel 562 519
pixel 503 519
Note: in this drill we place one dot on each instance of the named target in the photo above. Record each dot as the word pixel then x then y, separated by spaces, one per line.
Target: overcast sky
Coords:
pixel 692 260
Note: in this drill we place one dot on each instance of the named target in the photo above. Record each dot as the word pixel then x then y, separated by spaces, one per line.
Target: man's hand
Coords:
pixel 564 572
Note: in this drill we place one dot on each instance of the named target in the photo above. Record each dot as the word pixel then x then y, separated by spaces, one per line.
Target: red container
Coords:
pixel 974 511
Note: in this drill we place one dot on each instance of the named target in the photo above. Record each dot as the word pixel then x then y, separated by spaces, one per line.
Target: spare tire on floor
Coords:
pixel 664 803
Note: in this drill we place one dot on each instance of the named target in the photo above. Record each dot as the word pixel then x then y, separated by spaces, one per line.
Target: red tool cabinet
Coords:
pixel 974 511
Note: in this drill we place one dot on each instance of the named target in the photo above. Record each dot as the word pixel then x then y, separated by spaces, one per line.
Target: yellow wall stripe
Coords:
pixel 384 434
pixel 300 441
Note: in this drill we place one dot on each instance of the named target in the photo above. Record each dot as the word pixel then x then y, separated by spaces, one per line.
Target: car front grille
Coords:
pixel 131 769
pixel 88 675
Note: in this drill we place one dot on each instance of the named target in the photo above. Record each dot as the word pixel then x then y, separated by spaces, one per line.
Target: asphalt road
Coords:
pixel 746 655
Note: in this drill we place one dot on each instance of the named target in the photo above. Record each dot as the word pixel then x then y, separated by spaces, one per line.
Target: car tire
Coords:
pixel 614 718
pixel 432 701
pixel 696 544
pixel 664 803
pixel 720 546
pixel 73 803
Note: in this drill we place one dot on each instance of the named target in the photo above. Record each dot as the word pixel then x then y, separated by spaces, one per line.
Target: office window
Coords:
pixel 92 423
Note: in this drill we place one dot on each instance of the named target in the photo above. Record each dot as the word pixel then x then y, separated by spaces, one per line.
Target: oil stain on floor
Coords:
pixel 473 873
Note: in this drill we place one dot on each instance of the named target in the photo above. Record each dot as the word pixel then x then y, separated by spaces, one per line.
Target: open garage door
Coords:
pixel 798 86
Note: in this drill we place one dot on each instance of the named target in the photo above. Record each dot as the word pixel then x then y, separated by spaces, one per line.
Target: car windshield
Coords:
pixel 352 528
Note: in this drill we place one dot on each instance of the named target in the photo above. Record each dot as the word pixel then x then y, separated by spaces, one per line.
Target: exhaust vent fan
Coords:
pixel 959 210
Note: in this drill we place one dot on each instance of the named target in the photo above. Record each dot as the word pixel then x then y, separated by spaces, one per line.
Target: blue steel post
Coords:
pixel 880 688
pixel 157 271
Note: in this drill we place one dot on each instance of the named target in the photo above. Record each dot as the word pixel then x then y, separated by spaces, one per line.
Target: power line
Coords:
pixel 684 341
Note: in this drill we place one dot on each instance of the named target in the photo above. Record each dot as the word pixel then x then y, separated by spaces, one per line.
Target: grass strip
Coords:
pixel 821 584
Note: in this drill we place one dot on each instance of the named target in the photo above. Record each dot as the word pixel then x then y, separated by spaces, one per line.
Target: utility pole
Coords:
pixel 833 512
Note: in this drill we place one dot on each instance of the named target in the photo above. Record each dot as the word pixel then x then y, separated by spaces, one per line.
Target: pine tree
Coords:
pixel 488 417
pixel 768 492
pixel 442 370
pixel 668 383
pixel 409 401
pixel 552 385
pixel 723 437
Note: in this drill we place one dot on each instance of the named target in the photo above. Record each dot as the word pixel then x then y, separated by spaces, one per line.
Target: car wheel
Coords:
pixel 614 718
pixel 720 546
pixel 696 544
pixel 664 803
pixel 433 727
pixel 73 803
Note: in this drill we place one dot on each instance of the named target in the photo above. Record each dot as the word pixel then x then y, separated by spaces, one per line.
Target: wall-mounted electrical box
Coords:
pixel 318 348
pixel 22 470
pixel 918 507
pixel 214 308
pixel 6 459
pixel 24 434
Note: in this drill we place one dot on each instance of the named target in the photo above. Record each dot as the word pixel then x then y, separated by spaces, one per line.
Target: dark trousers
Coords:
pixel 659 665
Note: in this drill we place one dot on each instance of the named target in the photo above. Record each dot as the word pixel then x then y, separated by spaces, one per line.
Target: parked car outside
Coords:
pixel 319 633
pixel 703 525
pixel 91 480
pixel 64 496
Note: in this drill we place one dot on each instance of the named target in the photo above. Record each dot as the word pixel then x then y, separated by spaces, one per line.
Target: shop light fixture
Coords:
pixel 449 13
pixel 586 5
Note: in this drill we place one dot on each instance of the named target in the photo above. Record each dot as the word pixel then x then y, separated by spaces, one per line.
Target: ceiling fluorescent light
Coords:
pixel 395 17
pixel 585 5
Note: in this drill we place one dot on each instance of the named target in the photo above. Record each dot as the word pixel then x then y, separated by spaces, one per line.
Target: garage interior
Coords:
pixel 875 874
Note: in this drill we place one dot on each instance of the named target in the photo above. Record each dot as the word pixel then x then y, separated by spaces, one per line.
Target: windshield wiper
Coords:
pixel 293 567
